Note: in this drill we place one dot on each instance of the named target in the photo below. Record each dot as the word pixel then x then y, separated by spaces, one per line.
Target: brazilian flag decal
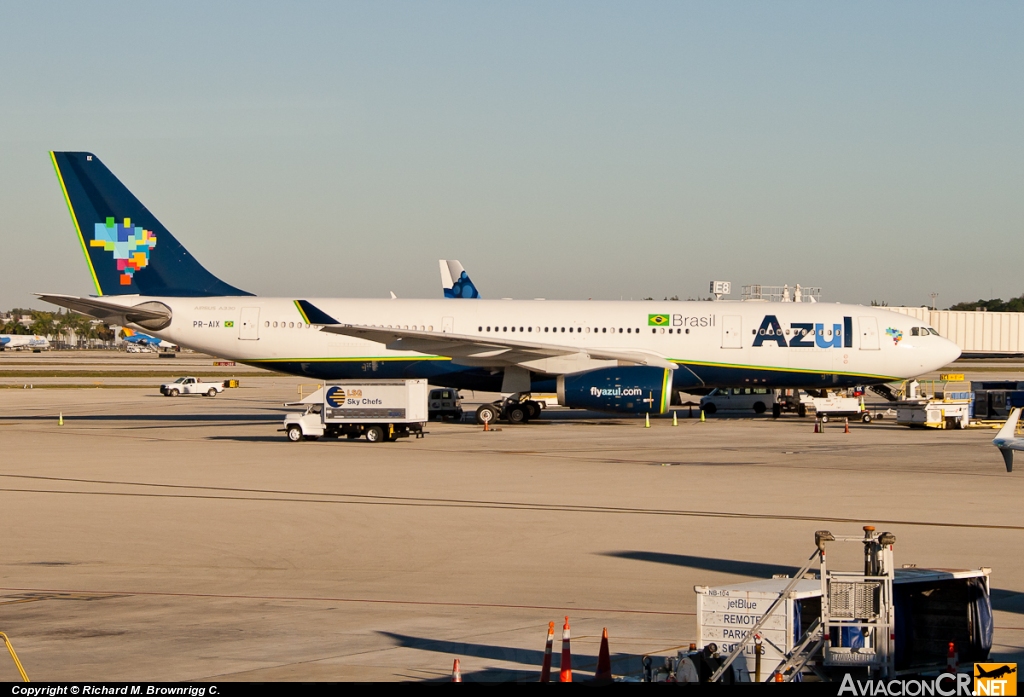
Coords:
pixel 229 324
pixel 657 320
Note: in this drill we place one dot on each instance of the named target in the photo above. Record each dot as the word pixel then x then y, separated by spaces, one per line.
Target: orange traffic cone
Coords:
pixel 566 674
pixel 952 660
pixel 456 673
pixel 846 426
pixel 604 659
pixel 545 671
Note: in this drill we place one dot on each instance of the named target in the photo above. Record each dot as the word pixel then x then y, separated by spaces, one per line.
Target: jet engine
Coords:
pixel 622 389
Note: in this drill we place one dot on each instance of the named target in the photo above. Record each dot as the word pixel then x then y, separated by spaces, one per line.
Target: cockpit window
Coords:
pixel 933 331
pixel 916 331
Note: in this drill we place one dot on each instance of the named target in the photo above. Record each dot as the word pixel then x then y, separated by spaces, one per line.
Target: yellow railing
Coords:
pixel 301 389
pixel 17 663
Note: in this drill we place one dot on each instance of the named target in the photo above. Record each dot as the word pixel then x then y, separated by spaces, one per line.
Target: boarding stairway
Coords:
pixel 857 613
pixel 886 392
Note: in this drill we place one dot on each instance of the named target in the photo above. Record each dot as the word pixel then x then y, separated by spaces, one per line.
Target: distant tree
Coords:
pixel 994 305
pixel 879 303
pixel 43 323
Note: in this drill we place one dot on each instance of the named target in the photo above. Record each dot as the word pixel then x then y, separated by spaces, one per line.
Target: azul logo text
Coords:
pixel 805 334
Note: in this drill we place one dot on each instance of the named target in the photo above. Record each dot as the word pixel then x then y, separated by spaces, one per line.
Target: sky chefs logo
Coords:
pixel 130 244
pixel 615 392
pixel 335 397
pixel 805 334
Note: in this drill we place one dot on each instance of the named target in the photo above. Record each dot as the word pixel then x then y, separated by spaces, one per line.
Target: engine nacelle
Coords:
pixel 622 389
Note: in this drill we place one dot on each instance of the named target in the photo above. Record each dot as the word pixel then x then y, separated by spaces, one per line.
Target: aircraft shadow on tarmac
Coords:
pixel 148 417
pixel 509 654
pixel 1008 601
pixel 1002 600
pixel 726 566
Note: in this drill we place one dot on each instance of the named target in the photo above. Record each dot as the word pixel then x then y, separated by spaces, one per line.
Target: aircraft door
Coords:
pixel 447 325
pixel 732 327
pixel 868 333
pixel 249 327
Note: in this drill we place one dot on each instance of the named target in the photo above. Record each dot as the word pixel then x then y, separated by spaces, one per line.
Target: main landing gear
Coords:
pixel 516 409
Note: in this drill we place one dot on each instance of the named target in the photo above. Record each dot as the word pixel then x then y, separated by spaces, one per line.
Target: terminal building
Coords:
pixel 978 334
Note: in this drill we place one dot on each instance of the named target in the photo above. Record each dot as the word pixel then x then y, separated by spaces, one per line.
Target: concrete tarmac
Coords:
pixel 151 538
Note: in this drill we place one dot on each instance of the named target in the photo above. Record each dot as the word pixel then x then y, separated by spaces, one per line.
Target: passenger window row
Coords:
pixel 577 330
pixel 286 325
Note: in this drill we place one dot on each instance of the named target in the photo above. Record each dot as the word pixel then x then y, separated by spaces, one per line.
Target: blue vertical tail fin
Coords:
pixel 455 281
pixel 127 249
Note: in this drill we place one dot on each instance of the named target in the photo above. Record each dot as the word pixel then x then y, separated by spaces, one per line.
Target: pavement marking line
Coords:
pixel 374 601
pixel 371 500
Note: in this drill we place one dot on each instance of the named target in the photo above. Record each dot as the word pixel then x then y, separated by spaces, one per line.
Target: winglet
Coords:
pixel 1004 439
pixel 1009 429
pixel 313 314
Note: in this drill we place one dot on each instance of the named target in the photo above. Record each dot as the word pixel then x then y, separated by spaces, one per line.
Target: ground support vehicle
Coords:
pixel 190 385
pixel 379 410
pixel 791 400
pixel 516 409
pixel 950 406
pixel 890 622
pixel 743 399
pixel 445 403
pixel 833 406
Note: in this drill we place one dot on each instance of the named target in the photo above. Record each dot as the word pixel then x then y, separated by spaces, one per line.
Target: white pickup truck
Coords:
pixel 191 386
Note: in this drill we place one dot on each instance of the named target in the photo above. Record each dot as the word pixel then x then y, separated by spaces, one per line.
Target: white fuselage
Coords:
pixel 724 343
pixel 19 341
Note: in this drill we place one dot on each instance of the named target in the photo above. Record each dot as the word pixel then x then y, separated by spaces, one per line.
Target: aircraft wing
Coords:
pixel 147 311
pixel 1006 440
pixel 486 351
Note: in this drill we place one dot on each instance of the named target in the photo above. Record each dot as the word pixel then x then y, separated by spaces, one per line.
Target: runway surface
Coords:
pixel 186 539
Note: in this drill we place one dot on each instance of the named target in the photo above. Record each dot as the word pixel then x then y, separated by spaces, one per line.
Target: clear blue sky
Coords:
pixel 558 149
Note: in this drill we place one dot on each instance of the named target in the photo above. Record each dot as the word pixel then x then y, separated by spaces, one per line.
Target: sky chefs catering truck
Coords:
pixel 380 410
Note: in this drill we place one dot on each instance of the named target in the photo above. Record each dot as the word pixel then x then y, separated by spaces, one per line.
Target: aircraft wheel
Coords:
pixel 486 413
pixel 516 414
pixel 375 434
pixel 294 434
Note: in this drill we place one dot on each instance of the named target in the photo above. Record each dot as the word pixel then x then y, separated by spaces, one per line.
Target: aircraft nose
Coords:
pixel 948 352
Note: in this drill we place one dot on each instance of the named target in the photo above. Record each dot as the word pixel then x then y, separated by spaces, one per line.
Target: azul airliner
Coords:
pixel 607 355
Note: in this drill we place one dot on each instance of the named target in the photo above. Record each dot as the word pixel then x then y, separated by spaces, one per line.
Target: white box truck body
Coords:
pixel 380 410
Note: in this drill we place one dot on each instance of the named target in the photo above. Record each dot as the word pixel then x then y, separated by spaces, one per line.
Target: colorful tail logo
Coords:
pixel 131 246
